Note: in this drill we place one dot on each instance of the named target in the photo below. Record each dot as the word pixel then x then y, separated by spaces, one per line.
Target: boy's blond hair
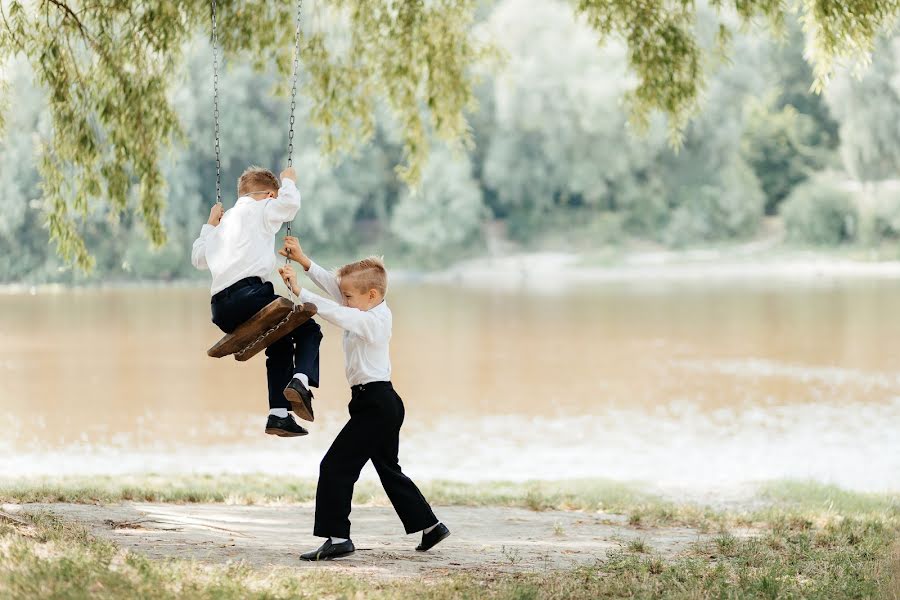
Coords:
pixel 368 274
pixel 257 179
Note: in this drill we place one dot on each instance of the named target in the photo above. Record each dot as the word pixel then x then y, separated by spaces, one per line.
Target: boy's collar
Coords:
pixel 244 200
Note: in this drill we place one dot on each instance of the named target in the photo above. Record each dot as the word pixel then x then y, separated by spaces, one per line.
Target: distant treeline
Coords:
pixel 554 160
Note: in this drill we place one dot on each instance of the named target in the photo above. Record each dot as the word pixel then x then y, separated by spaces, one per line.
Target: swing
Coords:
pixel 281 316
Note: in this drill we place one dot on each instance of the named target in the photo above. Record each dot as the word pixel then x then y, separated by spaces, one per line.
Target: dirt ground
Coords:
pixel 483 538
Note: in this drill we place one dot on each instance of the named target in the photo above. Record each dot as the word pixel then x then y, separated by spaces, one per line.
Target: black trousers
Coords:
pixel 297 352
pixel 372 433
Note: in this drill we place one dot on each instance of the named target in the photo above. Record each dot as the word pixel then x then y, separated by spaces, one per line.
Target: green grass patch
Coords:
pixel 845 558
pixel 784 504
pixel 818 498
pixel 266 489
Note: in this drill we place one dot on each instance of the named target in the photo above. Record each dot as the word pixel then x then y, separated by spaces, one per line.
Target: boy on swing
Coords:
pixel 357 305
pixel 238 247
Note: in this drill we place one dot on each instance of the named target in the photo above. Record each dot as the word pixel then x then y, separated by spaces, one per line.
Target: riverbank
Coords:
pixel 554 270
pixel 752 261
pixel 238 538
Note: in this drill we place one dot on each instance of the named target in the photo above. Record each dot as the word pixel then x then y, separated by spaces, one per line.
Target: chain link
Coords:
pixel 215 45
pixel 290 159
pixel 294 82
pixel 264 335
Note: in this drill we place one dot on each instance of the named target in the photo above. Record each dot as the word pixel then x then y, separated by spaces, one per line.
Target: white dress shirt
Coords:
pixel 367 333
pixel 243 243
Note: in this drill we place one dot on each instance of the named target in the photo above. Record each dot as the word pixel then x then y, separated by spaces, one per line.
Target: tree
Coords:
pixel 558 134
pixel 108 75
pixel 868 112
pixel 791 75
pixel 781 146
pixel 445 211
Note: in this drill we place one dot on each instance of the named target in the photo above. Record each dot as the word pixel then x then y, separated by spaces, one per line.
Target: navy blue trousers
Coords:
pixel 372 433
pixel 297 352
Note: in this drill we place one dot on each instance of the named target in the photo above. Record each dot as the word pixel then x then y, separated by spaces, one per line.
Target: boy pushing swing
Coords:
pixel 357 305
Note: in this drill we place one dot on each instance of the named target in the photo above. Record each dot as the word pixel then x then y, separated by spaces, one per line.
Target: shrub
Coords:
pixel 731 208
pixel 879 218
pixel 819 212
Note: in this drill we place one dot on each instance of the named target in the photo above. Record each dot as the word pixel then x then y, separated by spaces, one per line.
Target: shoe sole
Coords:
pixel 439 540
pixel 317 559
pixel 300 408
pixel 284 432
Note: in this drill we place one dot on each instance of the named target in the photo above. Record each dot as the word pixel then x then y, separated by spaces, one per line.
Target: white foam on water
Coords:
pixel 679 447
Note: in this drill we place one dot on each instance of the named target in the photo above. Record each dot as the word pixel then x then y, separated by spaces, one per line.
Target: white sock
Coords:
pixel 278 412
pixel 428 530
pixel 335 540
pixel 303 379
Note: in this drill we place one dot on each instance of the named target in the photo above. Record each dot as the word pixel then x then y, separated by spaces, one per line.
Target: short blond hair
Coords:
pixel 257 179
pixel 368 274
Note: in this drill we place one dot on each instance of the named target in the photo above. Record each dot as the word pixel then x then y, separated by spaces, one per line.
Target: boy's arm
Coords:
pixel 283 208
pixel 325 279
pixel 198 250
pixel 361 322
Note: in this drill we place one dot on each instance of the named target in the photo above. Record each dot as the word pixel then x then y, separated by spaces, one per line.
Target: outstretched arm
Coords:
pixel 323 278
pixel 326 281
pixel 363 323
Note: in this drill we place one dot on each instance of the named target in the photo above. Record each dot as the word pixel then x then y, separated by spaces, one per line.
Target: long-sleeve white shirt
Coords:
pixel 367 333
pixel 243 243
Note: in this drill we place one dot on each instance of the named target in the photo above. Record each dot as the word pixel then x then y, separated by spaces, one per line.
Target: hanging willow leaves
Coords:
pixel 108 68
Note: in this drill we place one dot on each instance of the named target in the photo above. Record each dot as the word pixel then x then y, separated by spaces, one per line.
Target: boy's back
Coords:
pixel 243 243
pixel 238 247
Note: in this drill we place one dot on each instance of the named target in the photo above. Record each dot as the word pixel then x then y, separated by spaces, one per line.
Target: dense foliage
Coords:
pixel 108 124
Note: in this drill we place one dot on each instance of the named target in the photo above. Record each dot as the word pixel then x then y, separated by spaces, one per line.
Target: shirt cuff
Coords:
pixel 204 231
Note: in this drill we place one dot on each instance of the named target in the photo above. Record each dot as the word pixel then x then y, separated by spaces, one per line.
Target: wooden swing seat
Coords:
pixel 263 329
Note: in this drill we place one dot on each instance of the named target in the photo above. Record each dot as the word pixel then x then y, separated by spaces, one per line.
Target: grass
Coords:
pixel 782 502
pixel 265 489
pixel 844 558
pixel 809 541
pixel 638 546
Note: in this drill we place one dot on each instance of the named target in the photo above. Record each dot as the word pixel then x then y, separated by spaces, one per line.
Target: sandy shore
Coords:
pixel 489 539
pixel 557 269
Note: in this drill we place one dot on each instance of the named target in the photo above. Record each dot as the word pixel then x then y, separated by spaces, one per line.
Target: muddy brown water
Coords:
pixel 697 384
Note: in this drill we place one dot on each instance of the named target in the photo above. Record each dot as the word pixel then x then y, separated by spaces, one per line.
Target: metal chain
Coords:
pixel 215 45
pixel 291 129
pixel 294 82
pixel 264 335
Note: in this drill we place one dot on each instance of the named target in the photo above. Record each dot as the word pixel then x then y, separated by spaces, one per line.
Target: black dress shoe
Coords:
pixel 433 537
pixel 300 398
pixel 329 551
pixel 284 427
